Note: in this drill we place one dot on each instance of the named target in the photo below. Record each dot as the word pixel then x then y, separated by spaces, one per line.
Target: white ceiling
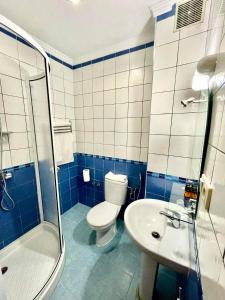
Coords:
pixel 87 30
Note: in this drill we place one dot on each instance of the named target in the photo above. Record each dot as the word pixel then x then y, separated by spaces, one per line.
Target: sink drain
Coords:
pixel 155 234
pixel 4 270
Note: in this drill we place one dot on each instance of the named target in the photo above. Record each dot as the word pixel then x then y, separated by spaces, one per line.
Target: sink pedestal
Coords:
pixel 148 273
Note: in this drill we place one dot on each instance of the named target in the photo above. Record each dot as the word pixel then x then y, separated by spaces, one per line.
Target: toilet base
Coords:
pixel 104 237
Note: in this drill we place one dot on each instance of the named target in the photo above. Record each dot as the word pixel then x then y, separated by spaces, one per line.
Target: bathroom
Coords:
pixel 112 150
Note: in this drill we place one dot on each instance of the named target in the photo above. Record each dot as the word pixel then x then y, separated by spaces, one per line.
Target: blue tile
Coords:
pixel 99 163
pixel 109 165
pixel 121 167
pixel 133 169
pixel 99 175
pixel 89 163
pixel 156 185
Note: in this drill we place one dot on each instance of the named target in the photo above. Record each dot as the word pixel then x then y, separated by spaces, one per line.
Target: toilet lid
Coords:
pixel 102 214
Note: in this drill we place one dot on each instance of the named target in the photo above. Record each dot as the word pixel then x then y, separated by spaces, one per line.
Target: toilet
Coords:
pixel 102 217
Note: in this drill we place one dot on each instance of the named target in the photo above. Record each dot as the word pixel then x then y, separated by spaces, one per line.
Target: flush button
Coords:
pixel 155 234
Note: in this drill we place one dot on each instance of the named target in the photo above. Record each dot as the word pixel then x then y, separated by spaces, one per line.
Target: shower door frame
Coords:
pixel 54 277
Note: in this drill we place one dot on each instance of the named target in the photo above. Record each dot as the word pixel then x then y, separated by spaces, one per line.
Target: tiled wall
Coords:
pixel 112 104
pixel 175 139
pixel 211 229
pixel 25 215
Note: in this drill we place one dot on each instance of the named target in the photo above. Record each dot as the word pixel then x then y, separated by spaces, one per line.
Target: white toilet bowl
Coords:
pixel 102 217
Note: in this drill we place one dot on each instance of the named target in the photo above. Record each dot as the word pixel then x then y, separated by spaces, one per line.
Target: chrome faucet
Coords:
pixel 174 218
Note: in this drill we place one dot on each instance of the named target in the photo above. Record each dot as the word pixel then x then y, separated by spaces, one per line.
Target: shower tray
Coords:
pixel 34 266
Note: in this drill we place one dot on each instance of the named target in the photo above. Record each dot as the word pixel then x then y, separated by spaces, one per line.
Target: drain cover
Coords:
pixel 155 234
pixel 4 270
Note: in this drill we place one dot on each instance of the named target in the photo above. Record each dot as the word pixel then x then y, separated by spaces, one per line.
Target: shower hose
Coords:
pixel 4 195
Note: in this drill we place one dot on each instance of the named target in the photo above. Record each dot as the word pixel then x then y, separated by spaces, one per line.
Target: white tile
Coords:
pixel 6 163
pixel 56 68
pixel 69 100
pixel 109 82
pixel 58 97
pixel 16 123
pixel 1 105
pixel 109 97
pixel 120 152
pixel 148 75
pixel 160 124
pixel 13 105
pixel 8 45
pixel 87 86
pixel 145 125
pixel 109 66
pixel 68 87
pixel 20 157
pixel 133 153
pixel 122 79
pixel 122 95
pixel 136 77
pixel 89 148
pixel 60 111
pixel 146 106
pixel 88 126
pixel 78 88
pixel 98 149
pixel 157 163
pixel 109 124
pixel 68 74
pixel 122 110
pixel 136 93
pixel 78 75
pixel 179 166
pixel 133 139
pixel 162 103
pixel 9 66
pixel 98 84
pixel 149 56
pixel 164 32
pixel 144 140
pixel 221 140
pixel 109 138
pixel 79 101
pixel 98 98
pixel 184 124
pixel 165 56
pixel 192 48
pixel 147 92
pixel 121 138
pixel 134 124
pixel 137 59
pixel 89 137
pixel 79 113
pixel 79 125
pixel 18 140
pixel 87 72
pixel 108 150
pixel 97 69
pixel 121 125
pixel 159 144
pixel 87 99
pixel 135 109
pixel 164 80
pixel 11 86
pixel 181 146
pixel 70 113
pixel 57 83
pixel 109 111
pixel 122 63
pixel 88 112
pixel 80 147
pixel 144 154
pixel 98 137
pixel 184 76
pixel 27 54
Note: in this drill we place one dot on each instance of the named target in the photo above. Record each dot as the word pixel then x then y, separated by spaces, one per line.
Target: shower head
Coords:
pixel 187 101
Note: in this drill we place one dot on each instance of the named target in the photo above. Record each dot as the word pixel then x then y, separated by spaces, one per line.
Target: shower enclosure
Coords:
pixel 34 255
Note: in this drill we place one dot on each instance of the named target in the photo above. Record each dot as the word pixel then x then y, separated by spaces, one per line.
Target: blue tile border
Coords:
pixel 167 14
pixel 170 177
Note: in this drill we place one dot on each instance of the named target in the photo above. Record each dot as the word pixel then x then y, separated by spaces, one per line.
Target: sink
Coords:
pixel 160 243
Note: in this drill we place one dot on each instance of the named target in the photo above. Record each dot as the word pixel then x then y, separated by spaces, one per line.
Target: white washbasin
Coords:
pixel 172 248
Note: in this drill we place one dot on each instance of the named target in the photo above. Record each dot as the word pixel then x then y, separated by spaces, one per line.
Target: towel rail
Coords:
pixel 62 128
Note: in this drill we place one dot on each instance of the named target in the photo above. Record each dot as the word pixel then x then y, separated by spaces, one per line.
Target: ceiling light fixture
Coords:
pixel 76 2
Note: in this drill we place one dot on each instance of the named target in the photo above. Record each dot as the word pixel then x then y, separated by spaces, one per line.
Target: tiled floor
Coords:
pixel 90 273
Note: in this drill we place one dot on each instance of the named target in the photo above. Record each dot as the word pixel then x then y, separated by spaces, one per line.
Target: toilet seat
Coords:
pixel 103 214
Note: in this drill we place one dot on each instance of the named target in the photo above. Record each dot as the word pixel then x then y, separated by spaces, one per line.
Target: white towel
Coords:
pixel 64 148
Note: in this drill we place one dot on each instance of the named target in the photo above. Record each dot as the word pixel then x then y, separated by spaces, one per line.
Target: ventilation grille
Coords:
pixel 189 12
